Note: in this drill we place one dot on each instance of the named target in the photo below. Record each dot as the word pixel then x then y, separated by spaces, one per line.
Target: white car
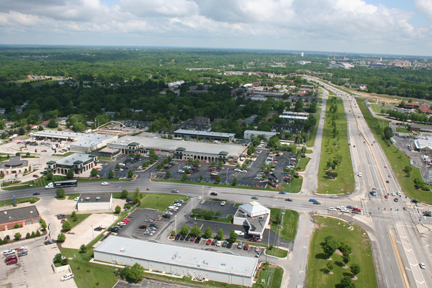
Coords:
pixel 67 277
pixel 105 183
pixel 342 208
pixel 177 204
pixel 360 174
pixel 333 196
pixel 76 199
pixel 422 265
pixel 8 252
pixel 238 170
pixel 332 209
pixel 244 171
pixel 223 203
pixel 218 243
pixel 238 232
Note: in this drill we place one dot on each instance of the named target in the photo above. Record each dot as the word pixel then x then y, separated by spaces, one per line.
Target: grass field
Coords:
pixel 398 160
pixel 317 276
pixel 295 185
pixel 303 163
pixel 311 141
pixel 18 201
pixel 281 253
pixel 41 181
pixel 375 107
pixel 63 155
pixel 72 196
pixel 80 218
pixel 332 148
pixel 274 273
pixel 290 222
pixel 402 130
pixel 160 202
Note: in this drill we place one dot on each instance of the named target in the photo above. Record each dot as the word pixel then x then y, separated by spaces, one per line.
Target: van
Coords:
pixel 313 200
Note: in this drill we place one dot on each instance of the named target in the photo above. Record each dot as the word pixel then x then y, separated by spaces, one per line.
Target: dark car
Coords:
pixel 188 238
pixel 198 239
pixel 61 216
pixel 166 216
pixel 154 225
pixel 48 242
pixel 142 227
pixel 177 237
pixel 224 244
pixel 396 200
pixel 213 194
pixel 288 199
pixel 182 237
pixel 213 243
pixel 387 181
pixel 230 243
pixel 114 229
pixel 36 193
pixel 255 198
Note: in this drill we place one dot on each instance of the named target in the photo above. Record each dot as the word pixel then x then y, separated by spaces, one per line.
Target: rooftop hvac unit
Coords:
pixel 97 198
pixel 31 212
pixel 5 212
pixel 87 198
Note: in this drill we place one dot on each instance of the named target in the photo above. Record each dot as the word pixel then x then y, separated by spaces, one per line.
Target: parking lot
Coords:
pixel 227 173
pixel 34 269
pixel 111 165
pixel 142 217
pixel 225 210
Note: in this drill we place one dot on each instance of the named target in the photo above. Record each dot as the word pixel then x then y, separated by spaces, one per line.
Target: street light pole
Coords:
pixel 157 203
pixel 227 176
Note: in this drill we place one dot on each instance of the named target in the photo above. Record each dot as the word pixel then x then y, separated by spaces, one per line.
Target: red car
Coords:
pixel 10 257
pixel 192 238
pixel 253 239
pixel 126 220
pixel 12 261
pixel 209 241
pixel 100 228
pixel 386 196
pixel 357 209
pixel 246 247
pixel 211 169
pixel 35 176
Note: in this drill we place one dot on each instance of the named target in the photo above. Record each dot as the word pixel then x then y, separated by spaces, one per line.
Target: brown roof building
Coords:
pixel 22 216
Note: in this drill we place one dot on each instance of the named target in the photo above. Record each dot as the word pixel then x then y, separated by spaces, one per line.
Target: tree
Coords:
pixel 330 266
pixel 33 235
pixel 218 214
pixel 345 249
pixel 346 282
pixel 43 224
pixel 346 259
pixel 207 232
pixel 184 230
pixel 52 124
pixel 66 226
pixel 195 231
pixel 49 176
pixel 403 103
pixel 117 209
pixel 388 133
pixel 137 196
pixel 37 233
pixel 355 269
pixel 330 246
pixel 94 172
pixel 218 179
pixel 220 234
pixel 60 193
pixel 5 240
pixel 117 166
pixel 73 214
pixel 130 174
pixel 201 177
pixel 133 274
pixel 111 174
pixel 184 176
pixel 70 174
pixel 235 181
pixel 168 174
pixel 83 249
pixel 299 106
pixel 124 194
pixel 57 258
pixel 61 237
pixel 233 236
pixel 28 236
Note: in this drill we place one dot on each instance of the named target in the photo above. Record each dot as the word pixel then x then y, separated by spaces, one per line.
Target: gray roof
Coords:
pixel 69 160
pixel 18 214
pixel 73 135
pixel 203 133
pixel 293 117
pixel 254 132
pixel 102 197
pixel 181 256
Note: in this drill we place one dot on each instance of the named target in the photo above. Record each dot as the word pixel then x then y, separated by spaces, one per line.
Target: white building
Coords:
pixel 248 134
pixel 176 260
pixel 92 202
pixel 253 215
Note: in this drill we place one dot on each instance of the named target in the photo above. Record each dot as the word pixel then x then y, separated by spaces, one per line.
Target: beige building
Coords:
pixel 92 202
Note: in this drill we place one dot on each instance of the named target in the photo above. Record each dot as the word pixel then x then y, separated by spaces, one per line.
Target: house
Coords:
pixel 2 110
pixel 253 215
pixel 44 124
pixel 10 124
pixel 409 105
pixel 425 109
pixel 362 86
pixel 61 120
pixel 111 114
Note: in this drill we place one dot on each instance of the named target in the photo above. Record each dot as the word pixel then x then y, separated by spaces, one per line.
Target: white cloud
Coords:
pixel 289 24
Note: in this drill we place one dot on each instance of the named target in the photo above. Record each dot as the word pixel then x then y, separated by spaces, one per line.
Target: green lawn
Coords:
pixel 317 277
pixel 332 148
pixel 41 181
pixel 402 130
pixel 311 141
pixel 303 163
pixel 281 253
pixel 72 196
pixel 398 160
pixel 268 188
pixel 295 185
pixel 274 273
pixel 63 155
pixel 18 201
pixel 80 218
pixel 290 222
pixel 228 219
pixel 160 201
pixel 375 108
pixel 101 179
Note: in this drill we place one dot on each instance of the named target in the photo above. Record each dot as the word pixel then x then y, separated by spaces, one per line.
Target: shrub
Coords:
pixel 66 226
pixel 61 237
pixel 28 235
pixel 38 233
pixel 17 236
pixel 118 209
pixel 33 235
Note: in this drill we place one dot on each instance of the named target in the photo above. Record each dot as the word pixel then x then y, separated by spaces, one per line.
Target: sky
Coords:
pixel 354 26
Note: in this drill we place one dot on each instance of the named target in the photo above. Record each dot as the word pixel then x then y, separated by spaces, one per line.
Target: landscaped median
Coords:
pixel 335 174
pixel 336 249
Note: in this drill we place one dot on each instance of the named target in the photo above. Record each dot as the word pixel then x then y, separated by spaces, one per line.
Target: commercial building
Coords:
pixel 19 216
pixel 80 142
pixel 91 202
pixel 253 215
pixel 178 261
pixel 420 128
pixel 423 145
pixel 180 149
pixel 248 134
pixel 291 118
pixel 77 162
pixel 203 135
pixel 15 165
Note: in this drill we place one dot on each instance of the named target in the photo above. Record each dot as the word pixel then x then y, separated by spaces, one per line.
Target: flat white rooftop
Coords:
pixel 69 160
pixel 181 256
pixel 292 117
pixel 203 133
pixel 74 136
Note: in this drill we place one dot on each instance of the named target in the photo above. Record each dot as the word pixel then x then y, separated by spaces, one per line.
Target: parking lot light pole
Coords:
pixel 227 176
pixel 92 231
pixel 175 223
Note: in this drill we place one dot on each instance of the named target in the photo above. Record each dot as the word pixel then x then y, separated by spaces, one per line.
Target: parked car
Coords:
pixel 8 252
pixel 238 232
pixel 188 238
pixel 257 249
pixel 114 229
pixel 67 277
pixel 61 216
pixel 209 241
pixel 11 261
pixel 223 203
pixel 177 237
pixel 100 228
pixel 219 243
pixel 35 176
pixel 282 192
pixel 230 243
pixel 142 227
pixel 198 239
pixel 246 247
pixel 224 244
pixel 182 237
pixel 192 238
pixel 255 198
pixel 214 242
pixel 240 245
